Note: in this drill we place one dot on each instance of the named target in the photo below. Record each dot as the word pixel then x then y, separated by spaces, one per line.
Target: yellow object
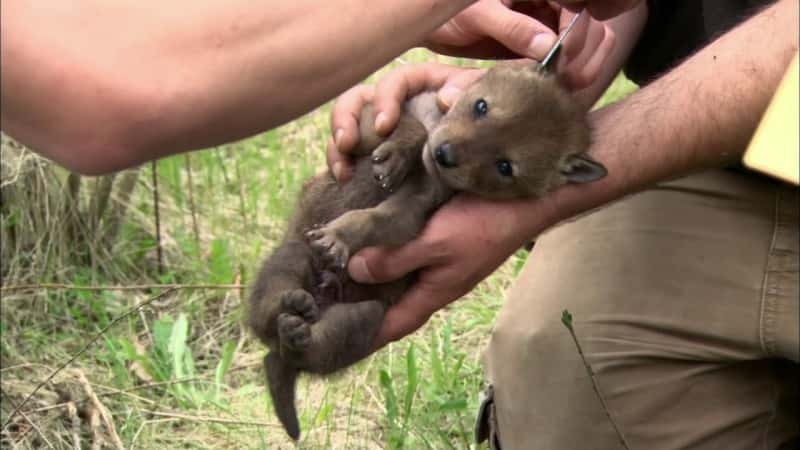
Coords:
pixel 775 147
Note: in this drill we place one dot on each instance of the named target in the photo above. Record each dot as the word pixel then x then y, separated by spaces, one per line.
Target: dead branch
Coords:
pixel 221 420
pixel 156 211
pixel 130 287
pixel 192 207
pixel 112 392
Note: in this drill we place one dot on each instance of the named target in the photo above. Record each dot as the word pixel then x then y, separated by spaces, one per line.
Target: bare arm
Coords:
pixel 700 115
pixel 122 82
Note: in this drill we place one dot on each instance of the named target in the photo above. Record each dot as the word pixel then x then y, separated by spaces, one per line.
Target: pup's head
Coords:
pixel 515 133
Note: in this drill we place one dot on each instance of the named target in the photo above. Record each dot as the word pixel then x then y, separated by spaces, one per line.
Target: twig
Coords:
pixel 112 391
pixel 131 287
pixel 156 211
pixel 145 423
pixel 81 351
pixel 23 366
pixel 72 205
pixel 112 430
pixel 566 319
pixel 175 415
pixel 242 206
pixel 192 207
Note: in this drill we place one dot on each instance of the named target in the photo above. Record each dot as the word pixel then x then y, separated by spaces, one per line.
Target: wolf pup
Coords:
pixel 515 133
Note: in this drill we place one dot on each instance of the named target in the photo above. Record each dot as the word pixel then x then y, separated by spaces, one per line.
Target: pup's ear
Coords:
pixel 582 169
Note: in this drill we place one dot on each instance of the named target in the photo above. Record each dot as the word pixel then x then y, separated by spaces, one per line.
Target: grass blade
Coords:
pixel 223 365
pixel 411 385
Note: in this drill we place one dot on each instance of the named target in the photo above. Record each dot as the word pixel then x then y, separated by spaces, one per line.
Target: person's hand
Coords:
pixel 387 97
pixel 496 29
pixel 601 9
pixel 584 51
pixel 463 243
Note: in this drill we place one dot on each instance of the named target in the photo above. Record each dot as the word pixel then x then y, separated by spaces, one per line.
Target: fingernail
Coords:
pixel 449 94
pixel 380 122
pixel 337 139
pixel 337 170
pixel 540 45
pixel 359 271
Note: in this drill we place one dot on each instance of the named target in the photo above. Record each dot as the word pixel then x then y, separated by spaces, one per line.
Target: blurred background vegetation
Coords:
pixel 181 371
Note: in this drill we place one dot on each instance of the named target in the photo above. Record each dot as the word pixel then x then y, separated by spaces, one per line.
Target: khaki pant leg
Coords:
pixel 684 300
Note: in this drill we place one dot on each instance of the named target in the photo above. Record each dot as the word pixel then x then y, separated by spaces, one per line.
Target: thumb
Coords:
pixel 381 264
pixel 517 31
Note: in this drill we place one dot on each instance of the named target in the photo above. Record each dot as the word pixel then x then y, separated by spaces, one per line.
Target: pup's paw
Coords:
pixel 300 303
pixel 294 332
pixel 389 166
pixel 325 241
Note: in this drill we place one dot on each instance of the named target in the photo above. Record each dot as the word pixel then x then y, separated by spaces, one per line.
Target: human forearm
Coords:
pixel 189 74
pixel 700 115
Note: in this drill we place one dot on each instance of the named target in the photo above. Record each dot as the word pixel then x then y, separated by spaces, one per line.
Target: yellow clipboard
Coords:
pixel 775 147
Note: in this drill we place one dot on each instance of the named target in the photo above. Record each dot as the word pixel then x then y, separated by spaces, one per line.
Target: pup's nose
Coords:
pixel 445 156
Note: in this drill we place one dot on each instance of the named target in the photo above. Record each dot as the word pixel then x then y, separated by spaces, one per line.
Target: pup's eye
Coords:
pixel 480 107
pixel 504 168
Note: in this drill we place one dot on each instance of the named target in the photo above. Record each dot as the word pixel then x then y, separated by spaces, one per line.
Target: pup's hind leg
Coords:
pixel 395 221
pixel 279 283
pixel 343 335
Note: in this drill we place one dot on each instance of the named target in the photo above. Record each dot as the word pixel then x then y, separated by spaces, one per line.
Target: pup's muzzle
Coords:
pixel 445 155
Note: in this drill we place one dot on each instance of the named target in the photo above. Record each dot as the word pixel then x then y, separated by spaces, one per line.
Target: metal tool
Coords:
pixel 551 55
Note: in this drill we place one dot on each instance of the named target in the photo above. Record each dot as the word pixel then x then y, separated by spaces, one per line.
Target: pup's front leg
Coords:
pixel 283 274
pixel 393 222
pixel 397 156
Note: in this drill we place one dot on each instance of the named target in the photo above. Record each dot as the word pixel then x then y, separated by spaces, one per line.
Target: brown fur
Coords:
pixel 306 309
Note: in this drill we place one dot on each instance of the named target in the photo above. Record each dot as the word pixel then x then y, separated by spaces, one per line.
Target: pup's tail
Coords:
pixel 281 380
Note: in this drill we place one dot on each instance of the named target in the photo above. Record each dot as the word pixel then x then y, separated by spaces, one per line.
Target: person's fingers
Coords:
pixel 455 87
pixel 483 49
pixel 517 31
pixel 338 162
pixel 579 48
pixel 407 315
pixel 344 129
pixel 345 116
pixel 380 265
pixel 600 10
pixel 576 40
pixel 589 71
pixel 400 84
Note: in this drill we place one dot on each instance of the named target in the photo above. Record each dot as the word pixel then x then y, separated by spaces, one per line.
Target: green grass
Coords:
pixel 183 372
